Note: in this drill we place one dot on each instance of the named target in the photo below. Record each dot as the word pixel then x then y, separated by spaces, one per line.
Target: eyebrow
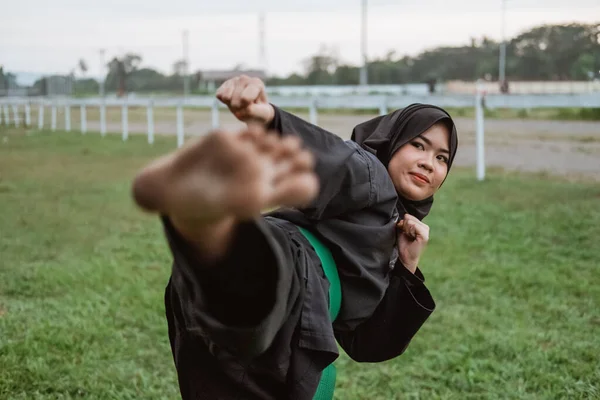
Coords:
pixel 442 150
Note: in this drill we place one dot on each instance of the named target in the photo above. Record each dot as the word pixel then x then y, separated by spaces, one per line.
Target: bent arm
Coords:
pixel 406 306
pixel 345 172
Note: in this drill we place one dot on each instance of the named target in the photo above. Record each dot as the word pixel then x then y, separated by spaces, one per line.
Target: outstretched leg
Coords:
pixel 212 183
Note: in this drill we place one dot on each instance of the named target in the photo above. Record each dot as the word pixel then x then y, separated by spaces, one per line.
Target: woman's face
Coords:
pixel 420 166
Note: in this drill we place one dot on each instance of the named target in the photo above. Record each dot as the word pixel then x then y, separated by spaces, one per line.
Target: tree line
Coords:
pixel 547 52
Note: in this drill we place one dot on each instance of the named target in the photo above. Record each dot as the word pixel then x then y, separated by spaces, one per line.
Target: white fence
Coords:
pixel 11 108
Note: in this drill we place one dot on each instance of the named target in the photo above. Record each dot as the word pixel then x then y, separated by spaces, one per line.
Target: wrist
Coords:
pixel 410 265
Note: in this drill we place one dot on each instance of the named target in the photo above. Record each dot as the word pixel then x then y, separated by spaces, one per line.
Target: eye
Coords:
pixel 443 159
pixel 418 145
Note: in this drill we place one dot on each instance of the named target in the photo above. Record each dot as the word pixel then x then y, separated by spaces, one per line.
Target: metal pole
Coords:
pixel 150 116
pixel 215 114
pixel 312 111
pixel 102 117
pixel 502 60
pixel 363 43
pixel 262 53
pixel 41 115
pixel 27 115
pixel 16 119
pixel 186 81
pixel 102 76
pixel 68 116
pixel 53 117
pixel 479 133
pixel 83 113
pixel 383 109
pixel 6 115
pixel 180 134
pixel 125 119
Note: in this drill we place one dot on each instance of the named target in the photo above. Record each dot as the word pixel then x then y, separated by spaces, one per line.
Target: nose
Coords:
pixel 426 164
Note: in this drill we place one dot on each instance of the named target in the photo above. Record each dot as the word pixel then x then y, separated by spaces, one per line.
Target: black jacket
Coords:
pixel 256 326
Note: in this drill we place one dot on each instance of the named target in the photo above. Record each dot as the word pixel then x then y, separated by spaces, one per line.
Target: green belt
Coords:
pixel 327 382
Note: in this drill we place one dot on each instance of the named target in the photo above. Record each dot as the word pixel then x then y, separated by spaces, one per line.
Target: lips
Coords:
pixel 420 177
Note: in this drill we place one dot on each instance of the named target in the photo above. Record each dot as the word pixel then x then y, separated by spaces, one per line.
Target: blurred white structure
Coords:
pixel 15 110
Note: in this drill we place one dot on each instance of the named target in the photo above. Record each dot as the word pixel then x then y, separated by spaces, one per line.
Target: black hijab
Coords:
pixel 384 135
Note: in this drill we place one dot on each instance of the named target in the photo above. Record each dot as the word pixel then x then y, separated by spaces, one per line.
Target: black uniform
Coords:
pixel 256 324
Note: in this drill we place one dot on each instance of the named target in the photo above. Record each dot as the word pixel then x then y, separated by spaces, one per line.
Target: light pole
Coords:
pixel 363 70
pixel 502 61
pixel 102 75
pixel 186 78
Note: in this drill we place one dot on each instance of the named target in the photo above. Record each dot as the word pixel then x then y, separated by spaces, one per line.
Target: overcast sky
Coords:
pixel 50 36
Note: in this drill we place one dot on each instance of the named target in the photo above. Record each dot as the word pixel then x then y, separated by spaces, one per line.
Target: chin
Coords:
pixel 410 194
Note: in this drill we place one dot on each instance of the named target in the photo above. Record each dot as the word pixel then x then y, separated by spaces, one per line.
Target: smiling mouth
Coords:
pixel 420 178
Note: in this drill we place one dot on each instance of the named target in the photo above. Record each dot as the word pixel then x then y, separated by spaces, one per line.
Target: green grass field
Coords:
pixel 513 265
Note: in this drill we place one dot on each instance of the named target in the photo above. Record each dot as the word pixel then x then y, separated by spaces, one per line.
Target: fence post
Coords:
pixel 6 115
pixel 27 114
pixel 1 115
pixel 16 119
pixel 102 118
pixel 68 116
pixel 150 116
pixel 125 120
pixel 53 121
pixel 215 114
pixel 479 132
pixel 41 115
pixel 383 109
pixel 83 114
pixel 179 125
pixel 313 111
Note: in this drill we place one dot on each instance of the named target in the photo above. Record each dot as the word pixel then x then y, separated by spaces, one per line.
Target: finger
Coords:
pixel 236 96
pixel 262 95
pixel 226 91
pixel 411 218
pixel 268 143
pixel 417 221
pixel 259 111
pixel 289 146
pixel 410 230
pixel 413 231
pixel 403 226
pixel 303 162
pixel 296 191
pixel 250 94
pixel 254 132
pixel 421 231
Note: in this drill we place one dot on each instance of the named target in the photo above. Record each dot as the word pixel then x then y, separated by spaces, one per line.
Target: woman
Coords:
pixel 247 302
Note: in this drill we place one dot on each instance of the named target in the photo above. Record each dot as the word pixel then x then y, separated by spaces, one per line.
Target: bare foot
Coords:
pixel 226 175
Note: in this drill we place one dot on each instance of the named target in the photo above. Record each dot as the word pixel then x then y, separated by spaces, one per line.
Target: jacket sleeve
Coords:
pixel 240 302
pixel 387 333
pixel 343 170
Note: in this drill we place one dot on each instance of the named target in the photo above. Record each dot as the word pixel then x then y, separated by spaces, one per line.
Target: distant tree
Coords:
pixel 555 51
pixel 321 66
pixel 120 69
pixel 548 52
